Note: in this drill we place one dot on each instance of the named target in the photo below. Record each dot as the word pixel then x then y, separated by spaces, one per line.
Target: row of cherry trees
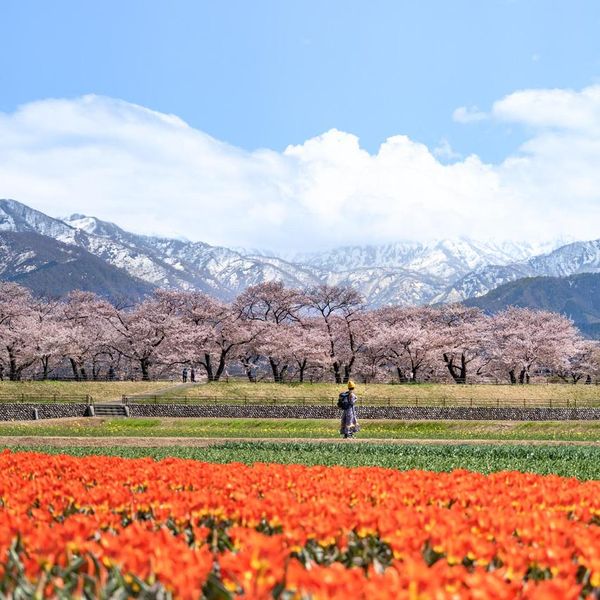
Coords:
pixel 269 331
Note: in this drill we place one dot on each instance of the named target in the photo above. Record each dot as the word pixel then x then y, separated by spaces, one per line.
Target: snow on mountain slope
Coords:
pixel 19 218
pixel 447 259
pixel 220 271
pixel 53 268
pixel 403 273
pixel 571 259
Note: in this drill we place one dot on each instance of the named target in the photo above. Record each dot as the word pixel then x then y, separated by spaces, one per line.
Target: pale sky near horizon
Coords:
pixel 300 125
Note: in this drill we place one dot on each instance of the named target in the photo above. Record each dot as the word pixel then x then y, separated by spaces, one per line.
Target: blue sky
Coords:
pixel 272 73
pixel 277 74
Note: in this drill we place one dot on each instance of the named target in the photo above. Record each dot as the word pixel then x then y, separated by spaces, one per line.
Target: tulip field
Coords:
pixel 112 527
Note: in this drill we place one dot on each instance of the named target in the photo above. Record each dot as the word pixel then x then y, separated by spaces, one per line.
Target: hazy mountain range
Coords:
pixel 52 256
pixel 577 296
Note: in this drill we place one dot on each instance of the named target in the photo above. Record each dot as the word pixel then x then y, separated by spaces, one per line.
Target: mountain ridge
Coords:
pixel 403 273
pixel 576 296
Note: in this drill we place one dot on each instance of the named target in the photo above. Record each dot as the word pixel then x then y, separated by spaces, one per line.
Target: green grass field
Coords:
pixel 568 461
pixel 61 391
pixel 237 391
pixel 583 431
pixel 411 395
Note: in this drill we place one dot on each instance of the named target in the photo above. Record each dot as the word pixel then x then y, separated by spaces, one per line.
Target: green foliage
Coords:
pixel 75 579
pixel 311 428
pixel 582 462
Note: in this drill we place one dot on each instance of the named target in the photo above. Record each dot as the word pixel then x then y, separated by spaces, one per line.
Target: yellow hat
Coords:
pixel 350 384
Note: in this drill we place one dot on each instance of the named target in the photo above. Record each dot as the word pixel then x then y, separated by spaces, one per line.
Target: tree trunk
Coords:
pixel 463 369
pixel 207 364
pixel 348 370
pixel 524 376
pixel 75 369
pixel 16 370
pixel 249 365
pixel 96 370
pixel 413 374
pixel 302 368
pixel 13 373
pixel 144 364
pixel 275 370
pixel 221 367
pixel 512 376
pixel 45 360
pixel 459 374
pixel 401 376
pixel 282 373
pixel 337 372
pixel 83 373
pixel 335 365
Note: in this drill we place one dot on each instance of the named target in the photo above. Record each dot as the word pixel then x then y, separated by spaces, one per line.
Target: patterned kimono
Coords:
pixel 349 425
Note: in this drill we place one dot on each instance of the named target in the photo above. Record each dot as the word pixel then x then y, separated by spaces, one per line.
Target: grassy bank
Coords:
pixel 580 462
pixel 60 391
pixel 411 395
pixel 309 428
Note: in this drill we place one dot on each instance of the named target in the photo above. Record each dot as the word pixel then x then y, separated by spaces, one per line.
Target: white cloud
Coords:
pixel 471 114
pixel 152 173
pixel 556 108
pixel 445 151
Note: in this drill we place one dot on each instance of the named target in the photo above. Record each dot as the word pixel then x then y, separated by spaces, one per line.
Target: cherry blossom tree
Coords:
pixel 341 310
pixel 275 308
pixel 528 339
pixel 51 334
pixel 408 340
pixel 463 337
pixel 18 329
pixel 139 332
pixel 86 337
pixel 211 333
pixel 288 333
pixel 307 348
pixel 579 362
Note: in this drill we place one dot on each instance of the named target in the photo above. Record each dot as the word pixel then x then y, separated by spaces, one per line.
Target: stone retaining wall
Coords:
pixel 24 412
pixel 365 412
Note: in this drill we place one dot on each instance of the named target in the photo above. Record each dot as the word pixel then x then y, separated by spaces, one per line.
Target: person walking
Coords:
pixel 193 375
pixel 349 426
pixel 184 375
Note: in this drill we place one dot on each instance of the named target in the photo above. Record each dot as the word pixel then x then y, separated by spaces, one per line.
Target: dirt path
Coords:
pixel 163 391
pixel 191 442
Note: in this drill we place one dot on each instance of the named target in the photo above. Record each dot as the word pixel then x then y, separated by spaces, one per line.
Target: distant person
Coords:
pixel 111 373
pixel 184 375
pixel 349 426
pixel 192 375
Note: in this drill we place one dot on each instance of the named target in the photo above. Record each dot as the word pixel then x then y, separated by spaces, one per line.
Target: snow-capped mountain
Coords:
pixel 160 262
pixel 404 273
pixel 445 258
pixel 52 268
pixel 219 270
pixel 571 259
